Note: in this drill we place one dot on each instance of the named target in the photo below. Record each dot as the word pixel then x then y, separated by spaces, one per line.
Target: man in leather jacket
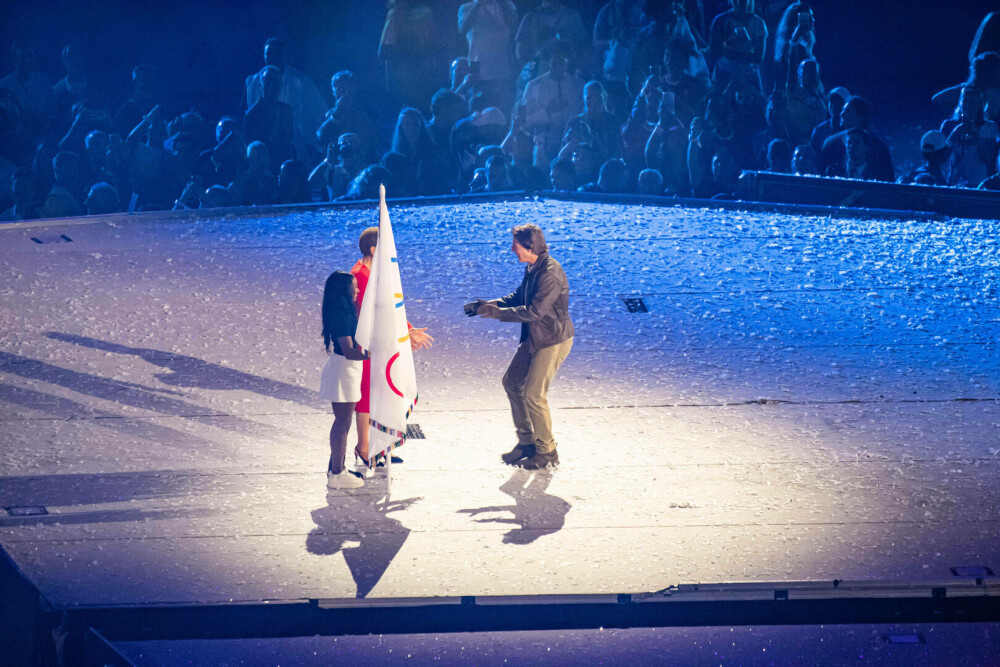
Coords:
pixel 541 305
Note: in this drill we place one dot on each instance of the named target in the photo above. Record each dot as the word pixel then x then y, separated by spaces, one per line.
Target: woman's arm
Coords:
pixel 350 351
pixel 420 339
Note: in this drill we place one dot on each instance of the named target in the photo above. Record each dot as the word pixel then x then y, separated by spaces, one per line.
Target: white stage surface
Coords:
pixel 806 399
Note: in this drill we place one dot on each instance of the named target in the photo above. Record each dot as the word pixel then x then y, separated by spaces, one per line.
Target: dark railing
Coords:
pixel 852 194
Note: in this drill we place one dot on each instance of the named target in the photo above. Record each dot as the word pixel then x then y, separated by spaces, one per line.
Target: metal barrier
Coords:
pixel 845 192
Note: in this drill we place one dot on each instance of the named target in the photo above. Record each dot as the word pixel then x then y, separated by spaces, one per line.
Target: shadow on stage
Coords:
pixel 185 371
pixel 67 409
pixel 360 527
pixel 117 391
pixel 536 513
pixel 80 490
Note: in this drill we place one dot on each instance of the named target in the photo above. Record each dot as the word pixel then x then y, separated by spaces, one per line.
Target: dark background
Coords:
pixel 897 53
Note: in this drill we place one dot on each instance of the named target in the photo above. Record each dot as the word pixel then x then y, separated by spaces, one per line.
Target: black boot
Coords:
pixel 519 452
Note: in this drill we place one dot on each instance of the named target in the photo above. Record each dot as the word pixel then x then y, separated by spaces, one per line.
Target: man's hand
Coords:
pixel 420 340
pixel 489 310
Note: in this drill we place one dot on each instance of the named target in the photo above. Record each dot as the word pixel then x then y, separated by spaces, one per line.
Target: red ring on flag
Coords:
pixel 388 377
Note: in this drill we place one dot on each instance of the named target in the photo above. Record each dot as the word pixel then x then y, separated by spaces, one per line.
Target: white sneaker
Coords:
pixel 343 480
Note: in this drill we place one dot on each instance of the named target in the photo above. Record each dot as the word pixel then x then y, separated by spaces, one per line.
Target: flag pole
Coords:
pixel 388 453
pixel 388 473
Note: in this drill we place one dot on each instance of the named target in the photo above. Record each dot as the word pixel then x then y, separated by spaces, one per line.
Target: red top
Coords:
pixel 361 274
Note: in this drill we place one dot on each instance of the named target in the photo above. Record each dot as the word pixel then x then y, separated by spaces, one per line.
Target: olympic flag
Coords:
pixel 383 331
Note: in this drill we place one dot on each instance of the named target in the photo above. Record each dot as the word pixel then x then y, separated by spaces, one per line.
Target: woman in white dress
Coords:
pixel 341 380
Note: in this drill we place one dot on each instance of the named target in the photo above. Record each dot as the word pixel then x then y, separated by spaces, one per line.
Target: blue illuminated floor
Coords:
pixel 807 398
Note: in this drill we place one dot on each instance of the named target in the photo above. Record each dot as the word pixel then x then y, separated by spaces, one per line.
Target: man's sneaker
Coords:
pixel 540 461
pixel 343 480
pixel 519 452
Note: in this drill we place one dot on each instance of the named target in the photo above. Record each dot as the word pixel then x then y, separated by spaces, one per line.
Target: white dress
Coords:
pixel 341 380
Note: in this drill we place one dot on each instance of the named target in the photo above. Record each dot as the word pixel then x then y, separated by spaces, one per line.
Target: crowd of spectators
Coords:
pixel 655 97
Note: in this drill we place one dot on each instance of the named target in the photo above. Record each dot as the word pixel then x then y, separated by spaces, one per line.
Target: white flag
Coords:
pixel 383 331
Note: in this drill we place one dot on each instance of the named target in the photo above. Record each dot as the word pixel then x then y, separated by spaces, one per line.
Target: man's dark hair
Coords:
pixel 370 178
pixel 66 158
pixel 612 168
pixel 139 70
pixel 562 163
pixel 858 133
pixel 74 46
pixel 531 238
pixel 342 75
pixel 862 106
pixel 396 162
pixel 779 150
pixel 275 42
pixel 102 198
pixel 560 48
pixel 585 147
pixel 478 102
pixel 445 98
pixel 368 240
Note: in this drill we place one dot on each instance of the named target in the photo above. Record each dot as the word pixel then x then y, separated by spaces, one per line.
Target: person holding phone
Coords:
pixel 488 27
pixel 793 42
pixel 551 99
pixel 736 44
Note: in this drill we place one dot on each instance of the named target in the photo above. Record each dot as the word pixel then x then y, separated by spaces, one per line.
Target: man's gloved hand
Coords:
pixel 489 310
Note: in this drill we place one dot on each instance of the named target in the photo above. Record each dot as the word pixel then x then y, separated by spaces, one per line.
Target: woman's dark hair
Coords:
pixel 984 71
pixel 365 184
pixel 403 144
pixel 530 237
pixel 337 303
pixel 580 126
pixel 980 116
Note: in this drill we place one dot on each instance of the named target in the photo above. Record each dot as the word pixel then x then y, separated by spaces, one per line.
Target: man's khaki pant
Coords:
pixel 527 384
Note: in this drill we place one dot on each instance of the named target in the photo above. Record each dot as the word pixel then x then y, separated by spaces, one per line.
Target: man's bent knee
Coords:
pixel 512 387
pixel 536 401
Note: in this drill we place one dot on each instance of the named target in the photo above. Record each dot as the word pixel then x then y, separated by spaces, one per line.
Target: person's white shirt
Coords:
pixel 542 91
pixel 488 26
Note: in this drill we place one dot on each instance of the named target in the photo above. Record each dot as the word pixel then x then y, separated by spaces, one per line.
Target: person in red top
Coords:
pixel 419 340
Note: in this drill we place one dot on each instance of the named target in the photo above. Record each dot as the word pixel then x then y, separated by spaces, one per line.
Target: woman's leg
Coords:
pixel 362 408
pixel 338 435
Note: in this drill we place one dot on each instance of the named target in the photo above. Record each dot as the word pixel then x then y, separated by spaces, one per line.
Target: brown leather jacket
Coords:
pixel 540 304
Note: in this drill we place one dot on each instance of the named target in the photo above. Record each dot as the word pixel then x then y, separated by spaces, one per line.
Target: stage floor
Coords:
pixel 807 399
